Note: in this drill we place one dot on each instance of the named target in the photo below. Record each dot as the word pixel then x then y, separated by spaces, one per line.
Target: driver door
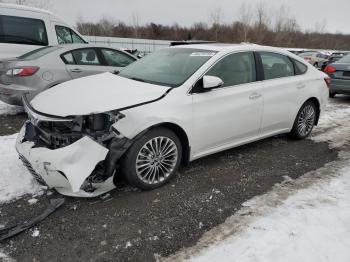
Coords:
pixel 231 114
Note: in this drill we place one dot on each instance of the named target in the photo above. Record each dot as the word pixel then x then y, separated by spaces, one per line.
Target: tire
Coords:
pixel 304 121
pixel 332 95
pixel 316 65
pixel 146 169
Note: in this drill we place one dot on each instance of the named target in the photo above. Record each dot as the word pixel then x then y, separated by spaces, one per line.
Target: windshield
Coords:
pixel 35 54
pixel 344 59
pixel 168 67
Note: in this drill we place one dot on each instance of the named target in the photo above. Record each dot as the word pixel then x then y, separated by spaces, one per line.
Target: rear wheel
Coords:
pixel 305 121
pixel 153 159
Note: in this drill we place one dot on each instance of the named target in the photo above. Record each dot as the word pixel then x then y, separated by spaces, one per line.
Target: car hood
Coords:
pixel 96 94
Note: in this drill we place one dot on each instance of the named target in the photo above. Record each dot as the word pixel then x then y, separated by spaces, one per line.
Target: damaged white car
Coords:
pixel 173 106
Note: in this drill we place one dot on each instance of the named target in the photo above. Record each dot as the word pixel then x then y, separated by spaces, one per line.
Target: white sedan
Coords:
pixel 171 107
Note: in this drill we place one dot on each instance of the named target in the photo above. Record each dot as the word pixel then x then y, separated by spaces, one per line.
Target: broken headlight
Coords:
pixel 98 122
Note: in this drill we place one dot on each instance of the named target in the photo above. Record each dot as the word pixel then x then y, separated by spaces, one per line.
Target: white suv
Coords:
pixel 23 29
pixel 173 106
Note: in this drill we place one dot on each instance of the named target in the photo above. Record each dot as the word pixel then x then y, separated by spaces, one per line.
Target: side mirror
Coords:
pixel 210 82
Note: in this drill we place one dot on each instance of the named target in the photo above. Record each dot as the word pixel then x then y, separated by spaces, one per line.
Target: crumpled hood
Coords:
pixel 95 94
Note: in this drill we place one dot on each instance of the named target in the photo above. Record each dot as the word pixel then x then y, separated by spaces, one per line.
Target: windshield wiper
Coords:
pixel 138 79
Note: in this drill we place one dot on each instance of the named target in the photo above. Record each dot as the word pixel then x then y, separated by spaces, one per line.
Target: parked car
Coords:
pixel 314 57
pixel 23 29
pixel 170 107
pixel 334 57
pixel 339 73
pixel 44 68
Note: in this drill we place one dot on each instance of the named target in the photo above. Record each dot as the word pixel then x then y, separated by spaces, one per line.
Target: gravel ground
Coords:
pixel 131 225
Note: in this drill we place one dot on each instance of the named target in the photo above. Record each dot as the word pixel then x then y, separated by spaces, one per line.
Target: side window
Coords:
pixel 66 35
pixel 68 59
pixel 235 69
pixel 300 68
pixel 276 65
pixel 115 58
pixel 21 30
pixel 86 56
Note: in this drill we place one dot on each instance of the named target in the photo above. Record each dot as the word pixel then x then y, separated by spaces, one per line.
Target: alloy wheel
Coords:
pixel 306 120
pixel 156 160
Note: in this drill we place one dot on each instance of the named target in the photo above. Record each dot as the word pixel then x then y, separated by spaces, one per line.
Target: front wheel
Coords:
pixel 305 121
pixel 153 159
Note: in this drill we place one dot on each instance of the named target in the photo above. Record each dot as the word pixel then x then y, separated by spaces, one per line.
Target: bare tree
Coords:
pixel 321 27
pixel 136 24
pixel 245 17
pixel 215 18
pixel 44 4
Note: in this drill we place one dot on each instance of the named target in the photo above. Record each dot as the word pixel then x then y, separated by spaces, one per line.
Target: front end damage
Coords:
pixel 77 156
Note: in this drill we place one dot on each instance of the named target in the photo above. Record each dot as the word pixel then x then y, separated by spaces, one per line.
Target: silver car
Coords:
pixel 46 67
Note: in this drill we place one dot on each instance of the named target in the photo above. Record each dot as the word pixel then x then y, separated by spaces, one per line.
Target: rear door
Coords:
pixel 281 92
pixel 82 62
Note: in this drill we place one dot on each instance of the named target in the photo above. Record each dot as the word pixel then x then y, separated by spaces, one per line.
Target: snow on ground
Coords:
pixel 334 126
pixel 307 219
pixel 298 221
pixel 15 180
pixel 5 258
pixel 6 109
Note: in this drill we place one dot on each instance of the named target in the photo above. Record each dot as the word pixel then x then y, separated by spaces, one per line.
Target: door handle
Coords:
pixel 76 70
pixel 254 96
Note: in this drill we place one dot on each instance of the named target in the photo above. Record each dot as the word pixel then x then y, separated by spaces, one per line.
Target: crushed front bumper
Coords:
pixel 65 169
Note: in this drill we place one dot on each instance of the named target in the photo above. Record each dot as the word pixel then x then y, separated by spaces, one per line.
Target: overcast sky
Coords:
pixel 186 12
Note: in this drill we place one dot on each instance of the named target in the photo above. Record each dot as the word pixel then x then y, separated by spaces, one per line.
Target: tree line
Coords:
pixel 255 24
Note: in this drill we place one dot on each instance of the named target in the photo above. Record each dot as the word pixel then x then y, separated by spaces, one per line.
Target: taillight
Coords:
pixel 22 71
pixel 330 69
pixel 328 81
pixel 307 58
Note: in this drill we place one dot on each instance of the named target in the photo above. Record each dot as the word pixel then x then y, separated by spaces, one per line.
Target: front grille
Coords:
pixel 32 171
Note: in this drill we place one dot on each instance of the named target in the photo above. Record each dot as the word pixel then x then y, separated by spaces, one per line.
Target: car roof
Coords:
pixel 26 8
pixel 222 47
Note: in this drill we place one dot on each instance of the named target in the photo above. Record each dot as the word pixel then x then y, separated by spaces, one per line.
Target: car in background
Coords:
pixel 339 72
pixel 334 57
pixel 173 106
pixel 44 68
pixel 23 29
pixel 314 57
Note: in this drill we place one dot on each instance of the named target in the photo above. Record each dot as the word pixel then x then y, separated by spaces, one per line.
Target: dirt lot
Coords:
pixel 130 225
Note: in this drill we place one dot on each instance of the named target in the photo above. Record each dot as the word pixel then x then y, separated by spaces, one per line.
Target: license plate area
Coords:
pixel 346 73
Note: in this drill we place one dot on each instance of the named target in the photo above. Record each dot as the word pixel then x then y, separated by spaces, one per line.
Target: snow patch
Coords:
pixel 5 258
pixel 15 180
pixel 35 233
pixel 334 126
pixel 6 109
pixel 307 219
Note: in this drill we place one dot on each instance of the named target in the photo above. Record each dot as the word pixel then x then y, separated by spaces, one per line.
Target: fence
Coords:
pixel 143 45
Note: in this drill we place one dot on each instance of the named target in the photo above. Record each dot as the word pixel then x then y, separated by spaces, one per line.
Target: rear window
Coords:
pixel 35 54
pixel 20 30
pixel 300 68
pixel 344 59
